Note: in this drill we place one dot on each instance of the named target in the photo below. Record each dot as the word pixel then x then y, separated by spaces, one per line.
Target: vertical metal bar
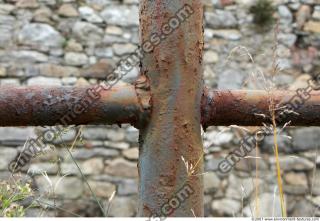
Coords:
pixel 174 71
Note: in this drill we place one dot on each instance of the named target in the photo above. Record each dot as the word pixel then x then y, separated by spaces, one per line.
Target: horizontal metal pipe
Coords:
pixel 252 108
pixel 47 106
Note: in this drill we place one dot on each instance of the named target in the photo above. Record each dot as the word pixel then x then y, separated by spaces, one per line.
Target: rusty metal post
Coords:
pixel 174 70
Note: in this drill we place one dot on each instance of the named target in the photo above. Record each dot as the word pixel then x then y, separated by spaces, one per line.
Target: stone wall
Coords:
pixel 76 42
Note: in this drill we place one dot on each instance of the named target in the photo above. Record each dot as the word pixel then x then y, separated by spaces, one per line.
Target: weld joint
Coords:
pixel 142 89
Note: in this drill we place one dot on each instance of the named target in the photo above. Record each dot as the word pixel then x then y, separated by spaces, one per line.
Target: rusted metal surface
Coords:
pixel 28 106
pixel 251 108
pixel 173 130
pixel 167 103
pixel 46 106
